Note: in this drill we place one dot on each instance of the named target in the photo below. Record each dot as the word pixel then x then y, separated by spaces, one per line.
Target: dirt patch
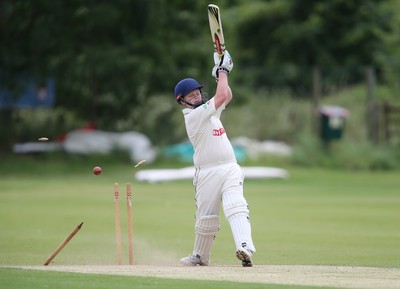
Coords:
pixel 332 276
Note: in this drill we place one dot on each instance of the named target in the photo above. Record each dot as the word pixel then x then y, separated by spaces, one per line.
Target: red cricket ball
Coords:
pixel 97 170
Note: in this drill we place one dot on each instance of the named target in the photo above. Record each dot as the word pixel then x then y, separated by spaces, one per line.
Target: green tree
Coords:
pixel 295 35
pixel 107 57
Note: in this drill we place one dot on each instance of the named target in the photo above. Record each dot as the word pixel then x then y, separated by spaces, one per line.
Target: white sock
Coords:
pixel 241 231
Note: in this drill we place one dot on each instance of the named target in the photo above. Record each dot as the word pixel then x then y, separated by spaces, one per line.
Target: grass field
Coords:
pixel 316 217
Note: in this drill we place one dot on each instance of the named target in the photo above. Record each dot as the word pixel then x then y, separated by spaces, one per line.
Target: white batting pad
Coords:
pixel 206 229
pixel 241 231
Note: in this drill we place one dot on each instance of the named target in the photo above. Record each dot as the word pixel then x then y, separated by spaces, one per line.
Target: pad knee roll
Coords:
pixel 235 204
pixel 207 225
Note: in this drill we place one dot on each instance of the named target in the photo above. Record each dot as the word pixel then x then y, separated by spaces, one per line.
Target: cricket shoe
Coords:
pixel 245 255
pixel 193 260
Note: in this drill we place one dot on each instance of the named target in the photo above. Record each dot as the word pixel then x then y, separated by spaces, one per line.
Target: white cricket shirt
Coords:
pixel 207 135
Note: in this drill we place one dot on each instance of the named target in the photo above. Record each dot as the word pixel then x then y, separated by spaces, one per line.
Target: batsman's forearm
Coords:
pixel 223 93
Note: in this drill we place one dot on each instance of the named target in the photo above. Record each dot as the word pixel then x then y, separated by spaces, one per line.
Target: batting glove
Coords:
pixel 217 59
pixel 225 63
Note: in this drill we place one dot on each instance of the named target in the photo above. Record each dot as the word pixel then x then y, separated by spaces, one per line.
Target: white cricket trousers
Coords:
pixel 216 184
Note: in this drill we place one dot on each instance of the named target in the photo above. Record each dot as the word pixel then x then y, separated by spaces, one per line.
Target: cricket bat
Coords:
pixel 217 34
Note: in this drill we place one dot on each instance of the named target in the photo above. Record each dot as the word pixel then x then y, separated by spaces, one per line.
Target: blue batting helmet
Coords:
pixel 184 87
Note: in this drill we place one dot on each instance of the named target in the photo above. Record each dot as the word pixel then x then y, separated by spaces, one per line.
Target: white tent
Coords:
pixel 164 175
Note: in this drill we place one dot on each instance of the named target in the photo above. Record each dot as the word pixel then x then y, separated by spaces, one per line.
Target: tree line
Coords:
pixel 109 57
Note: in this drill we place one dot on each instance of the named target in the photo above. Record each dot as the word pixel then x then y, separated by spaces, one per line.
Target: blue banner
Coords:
pixel 31 97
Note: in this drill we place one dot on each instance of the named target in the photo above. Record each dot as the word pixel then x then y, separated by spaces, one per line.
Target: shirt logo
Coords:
pixel 218 132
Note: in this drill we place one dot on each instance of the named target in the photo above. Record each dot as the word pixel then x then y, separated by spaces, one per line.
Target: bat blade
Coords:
pixel 217 34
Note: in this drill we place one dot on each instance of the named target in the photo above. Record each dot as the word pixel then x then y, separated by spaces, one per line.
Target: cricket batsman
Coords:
pixel 218 177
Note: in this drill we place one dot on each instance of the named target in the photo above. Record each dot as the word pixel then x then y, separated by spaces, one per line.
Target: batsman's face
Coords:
pixel 193 96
